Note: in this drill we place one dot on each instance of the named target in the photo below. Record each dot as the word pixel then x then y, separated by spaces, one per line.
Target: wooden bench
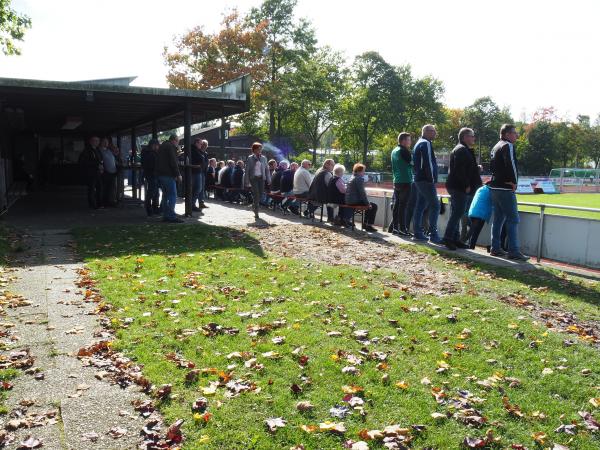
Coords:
pixel 357 209
pixel 231 189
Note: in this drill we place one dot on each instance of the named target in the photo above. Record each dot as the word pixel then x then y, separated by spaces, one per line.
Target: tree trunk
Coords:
pixel 271 120
pixel 271 102
pixel 315 141
pixel 366 145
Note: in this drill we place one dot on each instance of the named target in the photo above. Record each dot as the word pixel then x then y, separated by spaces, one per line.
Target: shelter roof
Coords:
pixel 101 107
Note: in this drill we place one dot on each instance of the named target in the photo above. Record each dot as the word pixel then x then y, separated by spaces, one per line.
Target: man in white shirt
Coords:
pixel 302 179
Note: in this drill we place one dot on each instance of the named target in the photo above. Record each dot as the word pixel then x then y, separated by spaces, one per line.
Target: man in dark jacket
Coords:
pixel 318 188
pixel 167 170
pixel 503 185
pixel 426 177
pixel 91 165
pixel 463 180
pixel 149 156
pixel 403 178
pixel 199 162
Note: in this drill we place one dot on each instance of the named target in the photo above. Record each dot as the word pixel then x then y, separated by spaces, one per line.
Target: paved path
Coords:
pixel 54 327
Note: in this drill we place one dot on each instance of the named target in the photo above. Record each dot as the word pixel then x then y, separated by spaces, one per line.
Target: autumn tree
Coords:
pixel 201 60
pixel 12 28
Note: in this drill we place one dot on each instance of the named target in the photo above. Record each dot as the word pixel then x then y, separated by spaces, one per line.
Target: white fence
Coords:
pixel 570 240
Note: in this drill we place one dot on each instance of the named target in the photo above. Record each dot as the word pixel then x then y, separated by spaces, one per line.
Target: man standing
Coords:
pixel 149 156
pixel 426 176
pixel 503 184
pixel 318 188
pixel 91 165
pixel 256 175
pixel 403 178
pixel 463 180
pixel 109 174
pixel 199 169
pixel 167 170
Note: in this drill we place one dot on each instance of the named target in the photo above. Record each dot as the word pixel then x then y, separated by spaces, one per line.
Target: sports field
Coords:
pixel 583 200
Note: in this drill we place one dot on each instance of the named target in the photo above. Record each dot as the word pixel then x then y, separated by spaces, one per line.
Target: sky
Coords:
pixel 525 54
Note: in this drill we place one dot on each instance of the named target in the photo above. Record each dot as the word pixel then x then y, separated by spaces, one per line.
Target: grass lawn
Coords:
pixel 584 200
pixel 271 332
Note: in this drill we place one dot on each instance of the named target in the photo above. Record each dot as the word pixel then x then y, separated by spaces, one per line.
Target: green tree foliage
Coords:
pixel 12 28
pixel 289 42
pixel 314 91
pixel 593 151
pixel 486 118
pixel 448 128
pixel 368 107
pixel 537 148
pixel 383 99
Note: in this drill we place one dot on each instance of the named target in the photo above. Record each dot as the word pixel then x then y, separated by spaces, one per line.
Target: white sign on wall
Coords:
pixel 524 186
pixel 547 186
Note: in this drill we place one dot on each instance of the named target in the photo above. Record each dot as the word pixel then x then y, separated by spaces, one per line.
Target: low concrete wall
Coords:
pixel 570 240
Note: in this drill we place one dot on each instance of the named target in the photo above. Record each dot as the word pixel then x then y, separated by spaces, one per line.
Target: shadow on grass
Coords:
pixel 526 273
pixel 162 239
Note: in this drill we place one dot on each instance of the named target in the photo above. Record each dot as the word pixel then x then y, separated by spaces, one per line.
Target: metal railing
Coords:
pixel 542 215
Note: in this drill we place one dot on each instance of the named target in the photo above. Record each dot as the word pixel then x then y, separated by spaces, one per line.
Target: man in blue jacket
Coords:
pixel 426 176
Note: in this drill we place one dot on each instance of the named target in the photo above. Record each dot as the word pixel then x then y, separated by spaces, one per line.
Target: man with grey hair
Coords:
pixel 463 180
pixel 426 177
pixel 302 179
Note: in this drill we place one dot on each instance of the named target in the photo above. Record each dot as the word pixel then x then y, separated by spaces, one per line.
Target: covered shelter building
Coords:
pixel 44 125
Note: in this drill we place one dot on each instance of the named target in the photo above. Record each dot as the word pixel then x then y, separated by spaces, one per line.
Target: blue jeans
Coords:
pixel 458 201
pixel 169 188
pixel 505 212
pixel 426 197
pixel 198 180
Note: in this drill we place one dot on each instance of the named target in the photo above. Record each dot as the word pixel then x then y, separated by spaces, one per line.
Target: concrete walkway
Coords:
pixel 78 408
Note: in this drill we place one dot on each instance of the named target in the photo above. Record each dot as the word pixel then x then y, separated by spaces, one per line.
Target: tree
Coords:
pixel 202 61
pixel 593 151
pixel 486 118
pixel 12 28
pixel 288 42
pixel 448 128
pixel 368 106
pixel 314 91
pixel 420 101
pixel 537 148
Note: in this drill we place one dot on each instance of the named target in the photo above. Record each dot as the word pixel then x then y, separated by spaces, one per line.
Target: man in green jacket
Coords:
pixel 403 178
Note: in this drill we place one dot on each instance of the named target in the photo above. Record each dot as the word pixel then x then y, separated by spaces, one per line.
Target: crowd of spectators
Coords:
pixel 290 185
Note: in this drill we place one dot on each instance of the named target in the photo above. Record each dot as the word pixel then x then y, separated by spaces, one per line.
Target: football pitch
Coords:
pixel 583 200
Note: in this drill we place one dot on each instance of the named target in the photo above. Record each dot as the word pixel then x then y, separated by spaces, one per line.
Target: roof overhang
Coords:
pixel 103 108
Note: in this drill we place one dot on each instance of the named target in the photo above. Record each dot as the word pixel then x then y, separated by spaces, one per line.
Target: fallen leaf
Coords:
pixel 275 423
